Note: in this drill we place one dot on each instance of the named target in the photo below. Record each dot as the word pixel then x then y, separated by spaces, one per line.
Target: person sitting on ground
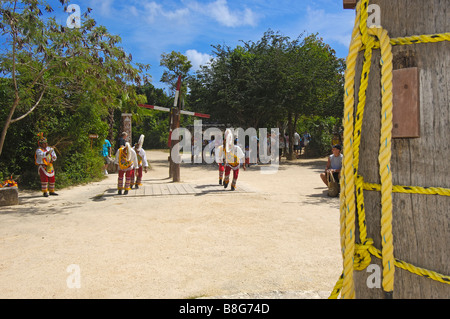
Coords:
pixel 334 165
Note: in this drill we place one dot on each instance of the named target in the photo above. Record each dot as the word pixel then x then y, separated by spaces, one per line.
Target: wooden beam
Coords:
pixel 349 4
pixel 166 109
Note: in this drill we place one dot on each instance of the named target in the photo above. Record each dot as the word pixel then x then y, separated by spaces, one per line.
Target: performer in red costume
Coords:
pixel 126 159
pixel 232 156
pixel 44 158
pixel 142 162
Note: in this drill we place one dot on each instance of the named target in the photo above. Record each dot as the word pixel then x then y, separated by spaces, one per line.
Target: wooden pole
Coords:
pixel 175 166
pixel 126 126
pixel 170 143
pixel 420 222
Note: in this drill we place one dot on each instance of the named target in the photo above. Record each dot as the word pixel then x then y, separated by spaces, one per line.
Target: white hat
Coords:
pixel 229 141
pixel 140 141
pixel 128 147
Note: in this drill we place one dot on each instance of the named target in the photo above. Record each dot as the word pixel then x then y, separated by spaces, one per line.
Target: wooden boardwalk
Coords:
pixel 184 189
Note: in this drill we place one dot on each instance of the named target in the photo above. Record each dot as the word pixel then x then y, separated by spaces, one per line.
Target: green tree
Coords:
pixel 155 124
pixel 241 86
pixel 63 82
pixel 271 82
pixel 45 60
pixel 313 82
pixel 177 64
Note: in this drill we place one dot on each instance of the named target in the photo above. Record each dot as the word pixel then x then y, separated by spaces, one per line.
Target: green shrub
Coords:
pixel 321 131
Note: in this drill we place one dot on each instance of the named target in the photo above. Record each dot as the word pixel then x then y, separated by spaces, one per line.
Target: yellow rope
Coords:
pixel 421 39
pixel 358 123
pixel 410 189
pixel 357 256
pixel 416 39
pixel 384 159
pixel 347 197
pixel 413 269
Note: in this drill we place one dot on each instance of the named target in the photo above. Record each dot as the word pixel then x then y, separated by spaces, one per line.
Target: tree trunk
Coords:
pixel 420 225
pixel 175 165
pixel 291 137
pixel 110 120
pixel 8 122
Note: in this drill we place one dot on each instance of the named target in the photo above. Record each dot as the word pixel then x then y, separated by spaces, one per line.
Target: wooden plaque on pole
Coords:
pixel 420 225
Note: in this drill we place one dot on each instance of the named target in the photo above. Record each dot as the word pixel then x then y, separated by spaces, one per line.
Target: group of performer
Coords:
pixel 132 162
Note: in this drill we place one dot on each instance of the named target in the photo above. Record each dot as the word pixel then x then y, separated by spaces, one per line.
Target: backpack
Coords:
pixel 333 186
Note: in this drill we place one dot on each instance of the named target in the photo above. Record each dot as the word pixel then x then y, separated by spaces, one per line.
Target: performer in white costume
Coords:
pixel 142 162
pixel 44 158
pixel 231 156
pixel 127 161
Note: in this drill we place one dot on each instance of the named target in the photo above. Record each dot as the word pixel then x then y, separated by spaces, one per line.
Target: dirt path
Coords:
pixel 278 239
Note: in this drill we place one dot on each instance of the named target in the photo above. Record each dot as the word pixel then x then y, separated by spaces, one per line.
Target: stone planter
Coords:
pixel 112 168
pixel 9 196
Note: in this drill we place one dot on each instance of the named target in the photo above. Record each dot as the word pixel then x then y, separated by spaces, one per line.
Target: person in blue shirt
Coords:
pixel 106 153
pixel 334 165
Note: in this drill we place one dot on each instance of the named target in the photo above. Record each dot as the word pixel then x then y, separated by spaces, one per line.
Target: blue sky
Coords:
pixel 150 27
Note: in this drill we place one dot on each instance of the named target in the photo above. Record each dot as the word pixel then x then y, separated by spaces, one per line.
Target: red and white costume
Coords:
pixel 142 162
pixel 229 157
pixel 127 160
pixel 44 158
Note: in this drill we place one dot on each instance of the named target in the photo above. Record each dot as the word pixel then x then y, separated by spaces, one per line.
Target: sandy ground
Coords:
pixel 281 240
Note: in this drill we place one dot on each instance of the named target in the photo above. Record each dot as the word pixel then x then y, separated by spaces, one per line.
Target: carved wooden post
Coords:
pixel 175 164
pixel 126 126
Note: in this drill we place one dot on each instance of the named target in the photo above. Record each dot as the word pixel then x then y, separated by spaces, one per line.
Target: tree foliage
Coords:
pixel 177 64
pixel 155 124
pixel 63 82
pixel 271 82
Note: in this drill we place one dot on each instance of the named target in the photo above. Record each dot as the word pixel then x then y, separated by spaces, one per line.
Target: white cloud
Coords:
pixel 197 58
pixel 133 11
pixel 104 7
pixel 220 11
pixel 152 10
pixel 335 27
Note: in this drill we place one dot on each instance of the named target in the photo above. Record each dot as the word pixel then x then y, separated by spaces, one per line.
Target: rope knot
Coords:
pixel 362 257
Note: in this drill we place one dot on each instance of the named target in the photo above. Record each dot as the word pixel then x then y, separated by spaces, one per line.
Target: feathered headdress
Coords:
pixel 41 137
pixel 128 148
pixel 140 141
pixel 228 140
